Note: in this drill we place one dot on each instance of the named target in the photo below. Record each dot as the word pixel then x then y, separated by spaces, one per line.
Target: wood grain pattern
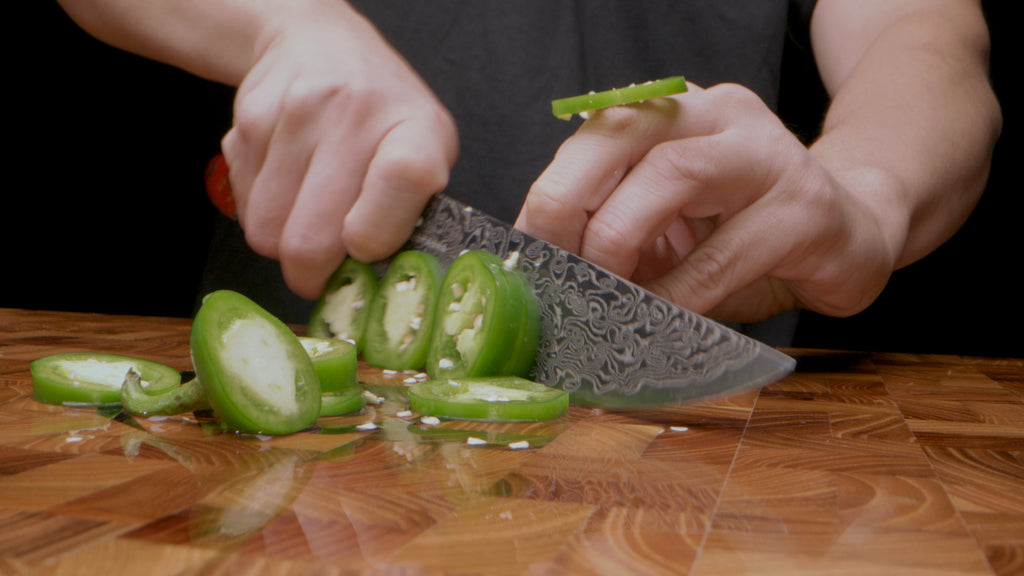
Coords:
pixel 856 464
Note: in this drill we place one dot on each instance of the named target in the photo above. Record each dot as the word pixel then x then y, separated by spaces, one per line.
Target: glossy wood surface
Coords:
pixel 856 464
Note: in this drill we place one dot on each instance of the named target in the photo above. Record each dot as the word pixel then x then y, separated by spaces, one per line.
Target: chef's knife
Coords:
pixel 604 339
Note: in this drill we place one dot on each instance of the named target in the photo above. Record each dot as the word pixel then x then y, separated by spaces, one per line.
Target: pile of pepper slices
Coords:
pixel 473 329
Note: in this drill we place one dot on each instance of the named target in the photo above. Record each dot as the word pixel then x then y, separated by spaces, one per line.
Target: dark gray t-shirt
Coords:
pixel 498 65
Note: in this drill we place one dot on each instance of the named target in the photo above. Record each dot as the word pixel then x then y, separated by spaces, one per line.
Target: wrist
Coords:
pixel 883 199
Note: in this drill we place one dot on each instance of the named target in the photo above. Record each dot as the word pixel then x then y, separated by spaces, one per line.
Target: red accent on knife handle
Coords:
pixel 218 186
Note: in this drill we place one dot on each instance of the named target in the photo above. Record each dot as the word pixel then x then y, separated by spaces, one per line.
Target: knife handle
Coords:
pixel 218 186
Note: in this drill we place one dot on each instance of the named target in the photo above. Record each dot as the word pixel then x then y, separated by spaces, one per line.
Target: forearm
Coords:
pixel 216 39
pixel 913 121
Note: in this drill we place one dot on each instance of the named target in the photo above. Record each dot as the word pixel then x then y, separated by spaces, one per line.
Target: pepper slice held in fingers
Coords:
pixel 564 108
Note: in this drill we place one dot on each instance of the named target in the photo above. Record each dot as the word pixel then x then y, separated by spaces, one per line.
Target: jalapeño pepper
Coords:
pixel 492 399
pixel 342 311
pixel 86 378
pixel 135 399
pixel 335 361
pixel 564 108
pixel 257 375
pixel 402 312
pixel 487 321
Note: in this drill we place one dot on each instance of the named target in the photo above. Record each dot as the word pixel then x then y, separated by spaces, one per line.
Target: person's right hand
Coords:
pixel 337 144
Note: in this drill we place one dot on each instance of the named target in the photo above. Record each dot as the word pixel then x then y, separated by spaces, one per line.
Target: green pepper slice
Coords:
pixel 487 321
pixel 135 399
pixel 85 378
pixel 524 347
pixel 336 362
pixel 401 315
pixel 564 108
pixel 342 402
pixel 341 312
pixel 491 399
pixel 257 375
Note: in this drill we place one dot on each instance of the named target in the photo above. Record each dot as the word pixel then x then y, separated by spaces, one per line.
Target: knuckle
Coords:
pixel 252 116
pixel 365 242
pixel 616 121
pixel 311 93
pixel 671 164
pixel 735 96
pixel 544 200
pixel 303 248
pixel 552 214
pixel 605 235
pixel 710 268
pixel 412 170
pixel 262 243
pixel 313 96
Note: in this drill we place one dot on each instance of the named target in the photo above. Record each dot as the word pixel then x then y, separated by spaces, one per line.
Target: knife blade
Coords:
pixel 604 339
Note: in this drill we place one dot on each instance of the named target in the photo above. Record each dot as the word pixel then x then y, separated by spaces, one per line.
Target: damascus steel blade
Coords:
pixel 604 339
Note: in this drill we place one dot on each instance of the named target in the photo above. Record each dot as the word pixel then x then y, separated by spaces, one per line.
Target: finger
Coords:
pixel 411 164
pixel 245 144
pixel 274 191
pixel 241 173
pixel 734 256
pixel 696 178
pixel 311 244
pixel 588 166
pixel 764 297
pixel 668 250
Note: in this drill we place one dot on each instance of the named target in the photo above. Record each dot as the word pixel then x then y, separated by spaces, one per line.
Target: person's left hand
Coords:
pixel 708 200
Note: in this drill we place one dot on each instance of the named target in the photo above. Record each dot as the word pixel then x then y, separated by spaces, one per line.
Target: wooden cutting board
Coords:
pixel 855 464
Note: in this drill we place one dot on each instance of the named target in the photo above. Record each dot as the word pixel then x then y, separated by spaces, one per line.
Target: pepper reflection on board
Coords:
pixel 243 483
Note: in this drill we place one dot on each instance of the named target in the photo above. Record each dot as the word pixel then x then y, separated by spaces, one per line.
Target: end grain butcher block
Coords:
pixel 855 464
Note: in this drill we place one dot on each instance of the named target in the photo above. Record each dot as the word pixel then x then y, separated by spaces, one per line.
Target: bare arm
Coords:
pixel 215 39
pixel 913 120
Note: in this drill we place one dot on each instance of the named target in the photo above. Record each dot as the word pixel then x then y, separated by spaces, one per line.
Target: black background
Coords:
pixel 105 210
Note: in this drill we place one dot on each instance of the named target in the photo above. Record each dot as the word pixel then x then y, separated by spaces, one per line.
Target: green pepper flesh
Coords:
pixel 336 362
pixel 490 399
pixel 188 397
pixel 342 312
pixel 564 108
pixel 342 402
pixel 401 316
pixel 257 375
pixel 488 323
pixel 85 378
